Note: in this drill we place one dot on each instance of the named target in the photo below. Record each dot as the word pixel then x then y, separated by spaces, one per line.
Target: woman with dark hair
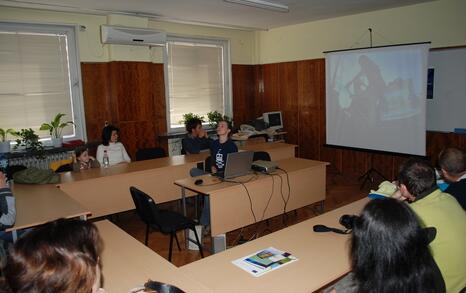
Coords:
pixel 114 149
pixel 61 256
pixel 389 252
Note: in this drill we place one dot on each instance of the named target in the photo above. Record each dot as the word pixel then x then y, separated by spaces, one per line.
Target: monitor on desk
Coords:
pixel 273 119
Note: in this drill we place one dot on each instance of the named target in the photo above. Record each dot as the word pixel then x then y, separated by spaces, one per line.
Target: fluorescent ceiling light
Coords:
pixel 261 4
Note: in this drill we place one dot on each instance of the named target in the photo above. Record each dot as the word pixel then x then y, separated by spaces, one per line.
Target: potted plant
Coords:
pixel 5 142
pixel 190 116
pixel 55 128
pixel 215 117
pixel 29 140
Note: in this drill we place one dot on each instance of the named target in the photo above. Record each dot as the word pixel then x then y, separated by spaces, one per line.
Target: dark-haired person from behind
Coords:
pixel 452 163
pixel 197 139
pixel 58 257
pixel 417 184
pixel 115 150
pixel 389 252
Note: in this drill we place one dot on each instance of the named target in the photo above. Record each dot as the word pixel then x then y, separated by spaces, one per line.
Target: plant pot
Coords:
pixel 57 142
pixel 5 146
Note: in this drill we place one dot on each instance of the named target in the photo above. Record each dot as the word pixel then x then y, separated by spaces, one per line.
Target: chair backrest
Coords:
pixel 149 154
pixel 145 206
pixel 208 165
pixel 264 156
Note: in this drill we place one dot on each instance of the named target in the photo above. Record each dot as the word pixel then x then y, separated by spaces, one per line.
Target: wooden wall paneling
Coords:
pixel 97 98
pixel 243 88
pixel 160 111
pixel 308 111
pixel 271 94
pixel 288 93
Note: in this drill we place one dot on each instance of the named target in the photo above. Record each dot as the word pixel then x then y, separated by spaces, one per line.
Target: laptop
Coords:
pixel 237 164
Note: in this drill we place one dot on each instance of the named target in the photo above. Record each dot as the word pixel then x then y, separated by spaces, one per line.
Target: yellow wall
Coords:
pixel 92 50
pixel 442 22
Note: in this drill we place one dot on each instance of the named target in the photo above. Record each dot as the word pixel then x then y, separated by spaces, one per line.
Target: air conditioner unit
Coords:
pixel 132 36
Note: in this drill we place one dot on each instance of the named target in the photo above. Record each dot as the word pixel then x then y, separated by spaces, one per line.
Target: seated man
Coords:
pixel 197 139
pixel 452 162
pixel 440 210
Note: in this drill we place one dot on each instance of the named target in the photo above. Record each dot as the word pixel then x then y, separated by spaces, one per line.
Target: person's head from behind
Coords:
pixel 452 163
pixel 110 134
pixel 389 249
pixel 194 127
pixel 416 177
pixel 224 128
pixel 82 154
pixel 61 256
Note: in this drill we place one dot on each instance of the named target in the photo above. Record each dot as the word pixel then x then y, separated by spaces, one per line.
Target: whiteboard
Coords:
pixel 447 110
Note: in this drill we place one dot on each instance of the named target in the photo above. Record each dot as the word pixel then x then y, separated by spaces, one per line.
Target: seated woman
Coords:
pixel 115 150
pixel 389 252
pixel 83 161
pixel 61 256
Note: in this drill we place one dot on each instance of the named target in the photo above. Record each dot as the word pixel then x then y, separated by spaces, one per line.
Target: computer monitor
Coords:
pixel 273 119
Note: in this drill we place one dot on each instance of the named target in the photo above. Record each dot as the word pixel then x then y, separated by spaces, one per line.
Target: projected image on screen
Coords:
pixel 376 98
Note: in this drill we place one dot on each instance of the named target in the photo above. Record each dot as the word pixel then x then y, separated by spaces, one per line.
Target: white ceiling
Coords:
pixel 218 12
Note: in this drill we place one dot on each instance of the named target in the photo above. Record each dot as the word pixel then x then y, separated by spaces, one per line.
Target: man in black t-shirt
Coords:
pixel 220 148
pixel 197 138
pixel 452 162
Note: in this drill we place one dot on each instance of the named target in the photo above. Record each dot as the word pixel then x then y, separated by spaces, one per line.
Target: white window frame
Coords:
pixel 74 65
pixel 227 99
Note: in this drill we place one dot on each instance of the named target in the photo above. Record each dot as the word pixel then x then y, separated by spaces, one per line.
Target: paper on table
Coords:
pixel 264 261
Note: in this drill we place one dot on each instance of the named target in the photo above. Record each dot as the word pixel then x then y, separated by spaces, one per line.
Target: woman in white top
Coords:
pixel 115 150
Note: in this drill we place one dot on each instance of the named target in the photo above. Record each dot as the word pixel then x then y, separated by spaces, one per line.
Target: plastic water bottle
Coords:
pixel 105 159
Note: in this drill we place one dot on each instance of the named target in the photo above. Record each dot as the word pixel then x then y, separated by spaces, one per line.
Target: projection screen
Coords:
pixel 376 98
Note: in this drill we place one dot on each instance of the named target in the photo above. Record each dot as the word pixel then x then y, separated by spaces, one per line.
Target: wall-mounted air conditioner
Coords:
pixel 132 36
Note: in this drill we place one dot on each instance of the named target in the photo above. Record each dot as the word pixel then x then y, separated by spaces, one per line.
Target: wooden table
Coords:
pixel 105 191
pixel 127 263
pixel 322 258
pixel 277 150
pixel 230 203
pixel 38 204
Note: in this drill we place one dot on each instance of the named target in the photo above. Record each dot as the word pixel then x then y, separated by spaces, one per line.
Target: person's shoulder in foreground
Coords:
pixel 442 211
pixel 59 257
pixel 7 204
pixel 452 162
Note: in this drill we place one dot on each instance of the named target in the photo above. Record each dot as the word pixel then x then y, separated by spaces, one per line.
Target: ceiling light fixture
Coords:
pixel 261 4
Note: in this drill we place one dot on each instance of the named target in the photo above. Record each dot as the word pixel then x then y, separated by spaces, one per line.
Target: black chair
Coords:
pixel 208 165
pixel 165 221
pixel 149 154
pixel 264 156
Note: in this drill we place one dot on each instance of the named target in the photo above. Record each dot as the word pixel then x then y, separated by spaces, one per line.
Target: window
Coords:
pixel 198 78
pixel 40 77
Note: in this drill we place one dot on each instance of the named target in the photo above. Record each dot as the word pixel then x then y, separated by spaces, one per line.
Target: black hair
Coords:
pixel 417 175
pixel 107 133
pixel 389 251
pixel 79 150
pixel 453 161
pixel 192 124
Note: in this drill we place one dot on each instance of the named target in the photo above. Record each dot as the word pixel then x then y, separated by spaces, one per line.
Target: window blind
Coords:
pixel 34 80
pixel 195 80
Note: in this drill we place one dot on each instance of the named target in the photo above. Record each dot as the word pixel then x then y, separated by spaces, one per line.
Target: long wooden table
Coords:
pixel 231 202
pixel 277 150
pixel 127 264
pixel 105 191
pixel 322 258
pixel 38 204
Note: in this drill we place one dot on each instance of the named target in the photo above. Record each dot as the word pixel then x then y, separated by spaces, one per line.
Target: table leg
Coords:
pixel 183 200
pixel 83 218
pixel 14 235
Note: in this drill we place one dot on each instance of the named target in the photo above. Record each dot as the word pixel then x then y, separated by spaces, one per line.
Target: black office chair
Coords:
pixel 264 156
pixel 149 154
pixel 165 221
pixel 208 165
